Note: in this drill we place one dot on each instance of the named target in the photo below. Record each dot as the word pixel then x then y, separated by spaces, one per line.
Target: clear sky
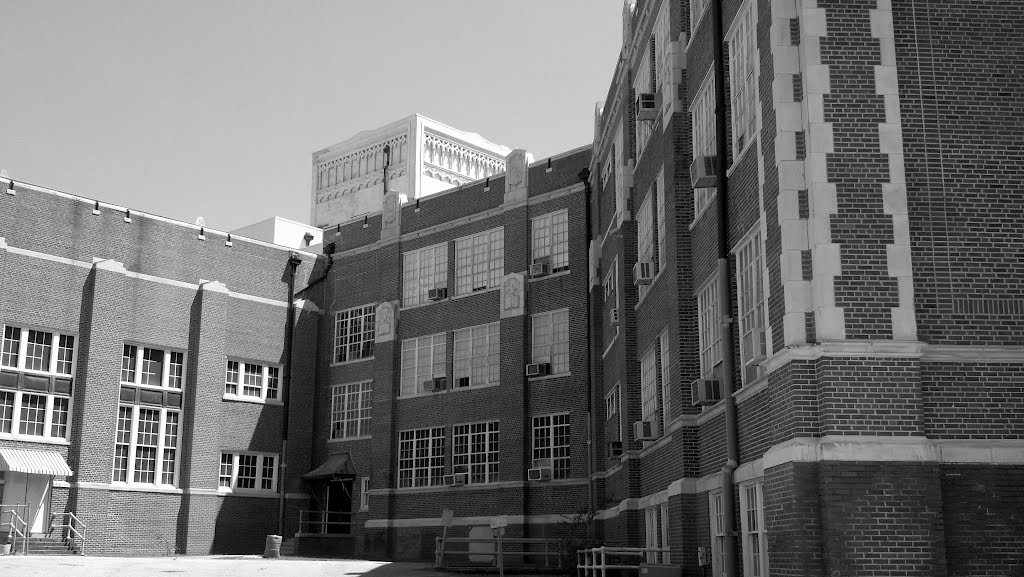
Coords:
pixel 213 108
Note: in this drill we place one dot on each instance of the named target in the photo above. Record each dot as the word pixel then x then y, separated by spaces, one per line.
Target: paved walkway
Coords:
pixel 212 566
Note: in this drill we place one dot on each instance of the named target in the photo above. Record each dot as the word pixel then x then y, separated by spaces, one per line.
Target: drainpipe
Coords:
pixel 584 176
pixel 293 263
pixel 725 299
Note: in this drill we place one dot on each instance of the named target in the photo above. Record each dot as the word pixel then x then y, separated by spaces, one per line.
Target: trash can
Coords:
pixel 273 548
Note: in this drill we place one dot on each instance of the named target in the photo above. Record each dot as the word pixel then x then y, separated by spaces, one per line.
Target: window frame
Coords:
pixel 491 357
pixel 551 353
pixel 132 457
pixel 257 488
pixel 716 519
pixel 139 359
pixel 743 92
pixel 553 242
pixel 266 370
pixel 416 284
pixel 491 268
pixel 367 315
pixel 650 390
pixel 708 335
pixel 340 415
pixel 664 354
pixel 656 533
pixel 21 354
pixel 704 138
pixel 438 367
pixel 645 239
pixel 750 285
pixel 489 458
pixel 435 466
pixel 561 465
pixel 364 493
pixel 760 531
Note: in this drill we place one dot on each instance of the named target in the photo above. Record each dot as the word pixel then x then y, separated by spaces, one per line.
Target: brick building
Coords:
pixel 862 412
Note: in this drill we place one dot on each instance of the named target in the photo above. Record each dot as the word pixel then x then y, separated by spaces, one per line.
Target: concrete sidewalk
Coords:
pixel 211 566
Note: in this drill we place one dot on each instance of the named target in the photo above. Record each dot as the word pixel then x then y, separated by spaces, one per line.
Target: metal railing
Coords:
pixel 325 522
pixel 11 527
pixel 596 562
pixel 500 548
pixel 72 531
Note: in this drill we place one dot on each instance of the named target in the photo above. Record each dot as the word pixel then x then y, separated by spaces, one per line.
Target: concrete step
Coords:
pixel 49 546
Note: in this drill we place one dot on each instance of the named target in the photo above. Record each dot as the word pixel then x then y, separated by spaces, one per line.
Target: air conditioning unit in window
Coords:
pixel 646 106
pixel 540 267
pixel 614 449
pixel 702 172
pixel 613 317
pixel 643 273
pixel 705 392
pixel 754 350
pixel 435 384
pixel 436 294
pixel 449 480
pixel 538 369
pixel 644 431
pixel 461 478
pixel 542 472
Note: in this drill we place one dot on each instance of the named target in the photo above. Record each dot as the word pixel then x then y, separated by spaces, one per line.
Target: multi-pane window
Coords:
pixel 742 56
pixel 475 448
pixel 422 270
pixel 551 340
pixel 755 541
pixel 146 445
pixel 353 333
pixel 421 457
pixel 611 402
pixel 364 494
pixel 152 367
pixel 33 350
pixel 649 389
pixel 707 328
pixel 749 281
pixel 252 381
pixel 656 533
pixel 423 358
pixel 702 115
pixel 645 239
pixel 551 239
pixel 33 415
pixel 477 355
pixel 659 189
pixel 645 82
pixel 551 438
pixel 479 261
pixel 716 507
pixel 350 410
pixel 666 389
pixel 248 472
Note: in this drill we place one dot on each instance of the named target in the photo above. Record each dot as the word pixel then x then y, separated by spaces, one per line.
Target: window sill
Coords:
pixel 250 400
pixel 153 387
pixel 344 439
pixel 34 439
pixel 549 276
pixel 351 362
pixel 145 488
pixel 474 293
pixel 549 377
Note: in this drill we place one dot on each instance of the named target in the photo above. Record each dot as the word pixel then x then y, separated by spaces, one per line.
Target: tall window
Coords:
pixel 649 389
pixel 755 541
pixel 479 261
pixel 37 407
pixel 742 57
pixel 33 350
pixel 423 358
pixel 421 457
pixel 551 438
pixel 702 115
pixel 422 270
pixel 659 189
pixel 353 334
pixel 717 517
pixel 645 82
pixel 150 367
pixel 707 328
pixel 666 374
pixel 611 403
pixel 656 533
pixel 248 473
pixel 477 355
pixel 350 410
pixel 753 347
pixel 551 239
pixel 146 446
pixel 645 239
pixel 475 446
pixel 252 382
pixel 551 340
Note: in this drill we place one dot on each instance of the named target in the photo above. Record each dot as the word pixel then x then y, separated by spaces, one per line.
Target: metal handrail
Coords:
pixel 551 549
pixel 320 520
pixel 595 561
pixel 73 524
pixel 13 527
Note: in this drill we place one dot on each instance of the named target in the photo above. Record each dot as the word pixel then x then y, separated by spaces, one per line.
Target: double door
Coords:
pixel 28 495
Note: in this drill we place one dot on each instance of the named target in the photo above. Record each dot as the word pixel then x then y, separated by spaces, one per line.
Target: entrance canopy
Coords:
pixel 337 466
pixel 34 461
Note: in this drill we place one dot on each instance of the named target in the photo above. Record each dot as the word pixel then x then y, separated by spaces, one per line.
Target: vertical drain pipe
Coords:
pixel 293 263
pixel 584 176
pixel 724 299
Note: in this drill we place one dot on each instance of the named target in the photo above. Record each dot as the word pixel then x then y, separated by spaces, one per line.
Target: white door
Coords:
pixel 34 490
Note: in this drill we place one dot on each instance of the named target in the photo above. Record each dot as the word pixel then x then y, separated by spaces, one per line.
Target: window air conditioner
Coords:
pixel 449 480
pixel 435 385
pixel 436 294
pixel 643 273
pixel 540 473
pixel 643 431
pixel 540 267
pixel 461 478
pixel 754 348
pixel 702 172
pixel 613 317
pixel 646 106
pixel 614 449
pixel 705 392
pixel 538 369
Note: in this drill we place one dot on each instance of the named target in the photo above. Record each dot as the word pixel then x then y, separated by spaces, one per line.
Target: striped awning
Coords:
pixel 34 461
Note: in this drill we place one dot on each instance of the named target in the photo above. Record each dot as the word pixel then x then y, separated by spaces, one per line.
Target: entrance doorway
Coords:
pixel 339 506
pixel 29 495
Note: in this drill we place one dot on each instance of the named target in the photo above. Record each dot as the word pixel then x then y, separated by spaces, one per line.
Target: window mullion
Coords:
pixel 158 469
pixel 264 370
pixel 139 353
pixel 235 458
pixel 132 444
pixel 22 349
pixel 48 415
pixel 16 416
pixel 166 370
